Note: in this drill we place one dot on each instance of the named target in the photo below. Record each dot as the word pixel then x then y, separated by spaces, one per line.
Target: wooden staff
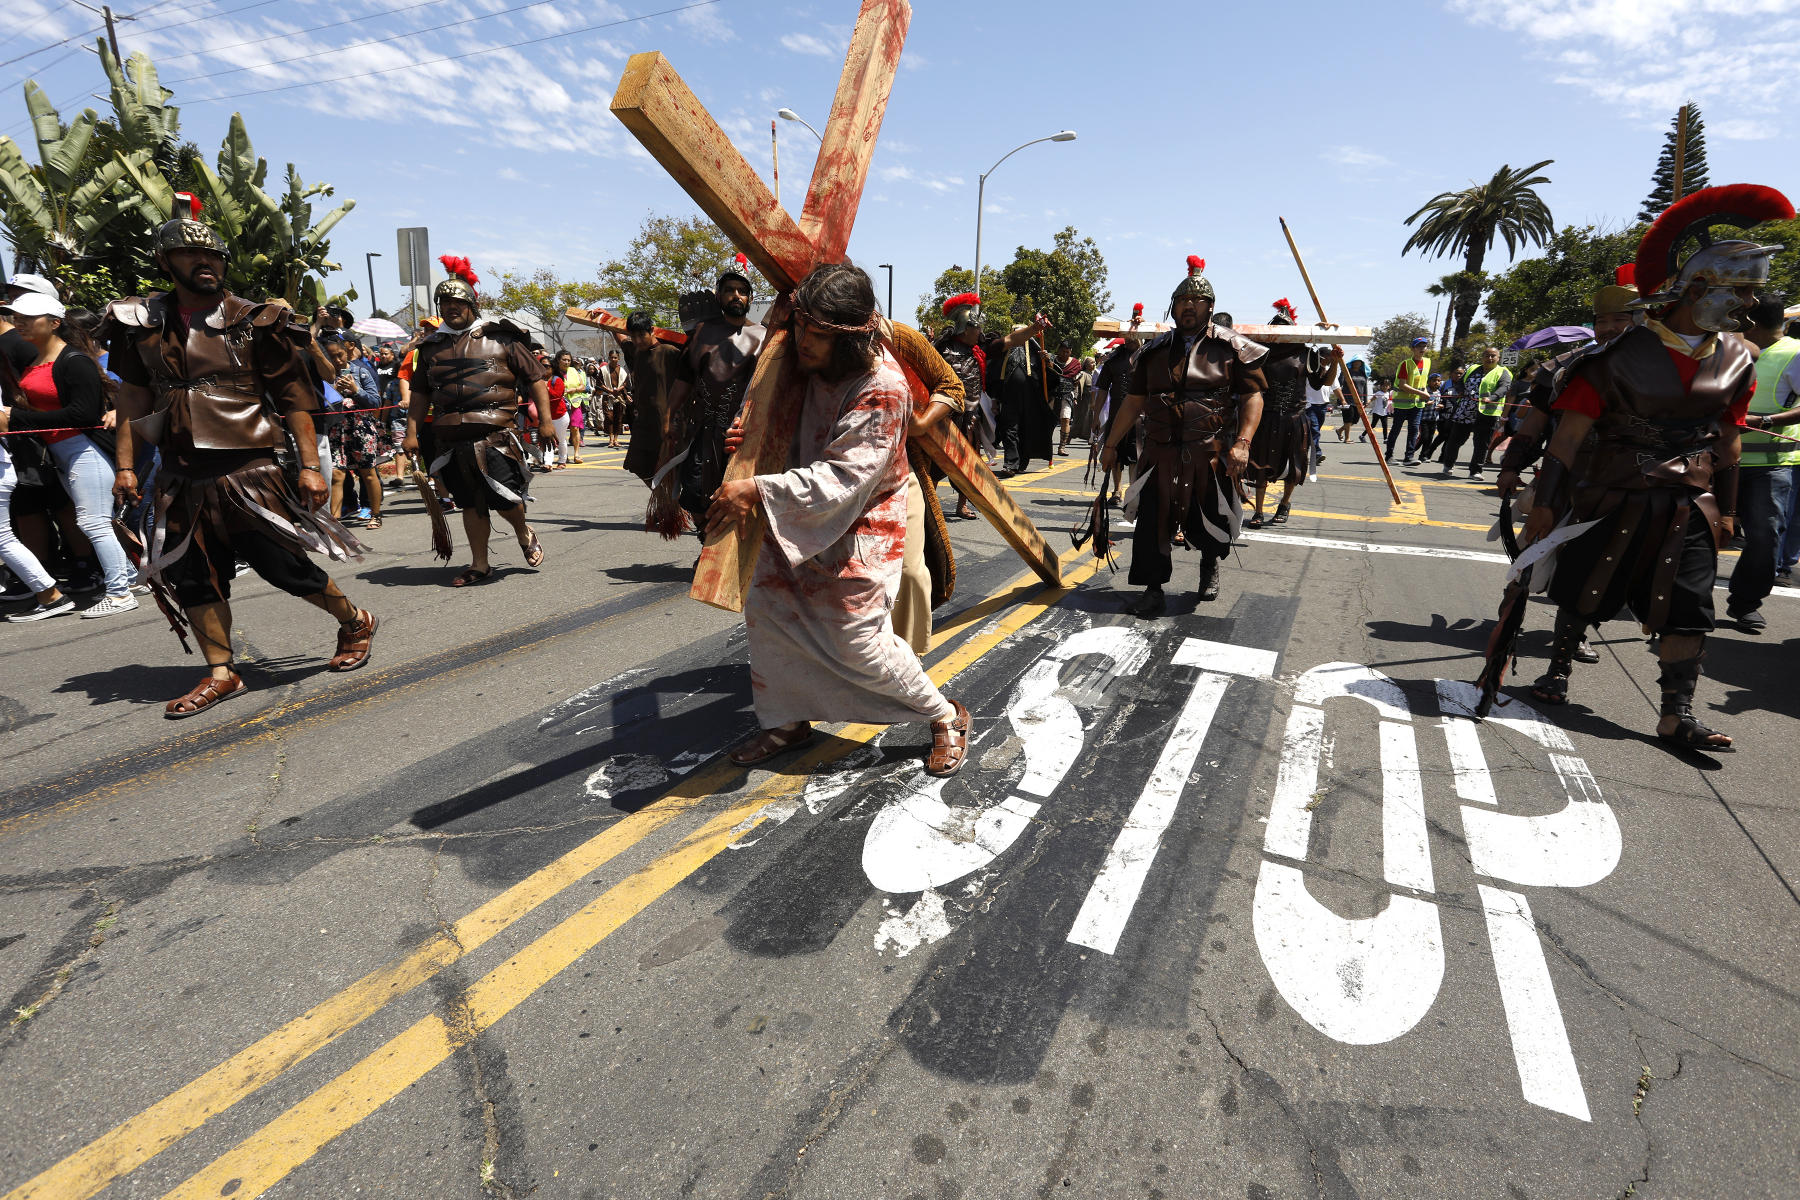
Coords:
pixel 1344 380
pixel 1681 123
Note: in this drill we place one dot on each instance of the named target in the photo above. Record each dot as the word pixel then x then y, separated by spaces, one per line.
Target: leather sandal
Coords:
pixel 469 577
pixel 1690 734
pixel 949 744
pixel 204 695
pixel 1255 522
pixel 373 523
pixel 354 641
pixel 767 743
pixel 1280 517
pixel 1552 687
pixel 534 549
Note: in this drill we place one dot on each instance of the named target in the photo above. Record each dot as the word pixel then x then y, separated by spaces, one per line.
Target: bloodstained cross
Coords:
pixel 678 132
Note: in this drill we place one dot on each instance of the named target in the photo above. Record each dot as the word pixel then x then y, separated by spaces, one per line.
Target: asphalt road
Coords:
pixel 1232 904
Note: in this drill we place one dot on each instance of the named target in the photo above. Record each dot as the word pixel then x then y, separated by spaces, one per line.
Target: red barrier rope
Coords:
pixel 86 428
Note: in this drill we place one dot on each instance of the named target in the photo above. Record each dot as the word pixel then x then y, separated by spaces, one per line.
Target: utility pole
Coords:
pixel 112 35
pixel 369 261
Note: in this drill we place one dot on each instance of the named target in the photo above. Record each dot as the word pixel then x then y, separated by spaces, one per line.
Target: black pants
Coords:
pixel 1484 436
pixel 1452 435
pixel 203 575
pixel 1690 597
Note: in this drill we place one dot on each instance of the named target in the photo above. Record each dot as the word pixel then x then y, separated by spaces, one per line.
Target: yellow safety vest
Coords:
pixel 1413 373
pixel 1759 449
pixel 1492 396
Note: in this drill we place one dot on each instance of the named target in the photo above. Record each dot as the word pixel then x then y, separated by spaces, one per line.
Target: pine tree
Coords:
pixel 1693 165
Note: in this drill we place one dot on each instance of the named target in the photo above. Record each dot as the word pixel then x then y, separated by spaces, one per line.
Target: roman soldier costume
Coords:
pixel 969 361
pixel 1282 450
pixel 716 368
pixel 1644 506
pixel 1193 388
pixel 222 382
pixel 469 381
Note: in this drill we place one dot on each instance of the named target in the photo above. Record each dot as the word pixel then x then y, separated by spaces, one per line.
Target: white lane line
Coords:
pixel 1468 764
pixel 1298 539
pixel 1548 1076
pixel 1103 916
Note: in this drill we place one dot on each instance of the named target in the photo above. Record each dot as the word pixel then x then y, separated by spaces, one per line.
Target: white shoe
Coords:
pixel 111 605
pixel 44 612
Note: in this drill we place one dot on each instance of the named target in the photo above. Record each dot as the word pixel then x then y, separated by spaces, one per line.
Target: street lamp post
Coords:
pixel 369 262
pixel 788 114
pixel 1067 135
pixel 889 268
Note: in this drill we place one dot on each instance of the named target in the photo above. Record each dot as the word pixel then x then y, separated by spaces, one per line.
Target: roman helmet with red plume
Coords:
pixel 963 310
pixel 460 285
pixel 1137 311
pixel 737 267
pixel 185 231
pixel 1721 267
pixel 1195 283
pixel 1285 313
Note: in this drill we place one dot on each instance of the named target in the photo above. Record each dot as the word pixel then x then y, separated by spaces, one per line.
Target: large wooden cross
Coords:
pixel 676 129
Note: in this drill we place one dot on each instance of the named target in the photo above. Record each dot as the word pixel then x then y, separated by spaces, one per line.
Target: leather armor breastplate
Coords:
pixel 1655 432
pixel 469 375
pixel 207 384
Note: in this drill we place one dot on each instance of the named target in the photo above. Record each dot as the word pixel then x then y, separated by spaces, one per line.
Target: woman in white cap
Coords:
pixel 62 400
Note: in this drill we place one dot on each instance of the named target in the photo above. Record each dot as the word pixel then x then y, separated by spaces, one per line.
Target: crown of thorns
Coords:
pixel 868 326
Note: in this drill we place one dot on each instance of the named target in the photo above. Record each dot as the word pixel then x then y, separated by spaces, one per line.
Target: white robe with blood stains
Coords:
pixel 822 644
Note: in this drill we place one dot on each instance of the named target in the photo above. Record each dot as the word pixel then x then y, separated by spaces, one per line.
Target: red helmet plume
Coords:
pixel 460 268
pixel 1196 264
pixel 1137 311
pixel 965 299
pixel 1287 310
pixel 1626 275
pixel 1740 204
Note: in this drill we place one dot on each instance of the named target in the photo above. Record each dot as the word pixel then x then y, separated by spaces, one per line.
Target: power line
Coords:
pixel 392 37
pixel 297 32
pixel 428 62
pixel 78 36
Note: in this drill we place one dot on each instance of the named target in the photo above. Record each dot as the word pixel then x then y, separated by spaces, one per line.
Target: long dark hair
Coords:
pixel 842 294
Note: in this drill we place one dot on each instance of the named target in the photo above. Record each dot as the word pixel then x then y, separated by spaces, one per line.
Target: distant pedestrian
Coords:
pixel 1410 378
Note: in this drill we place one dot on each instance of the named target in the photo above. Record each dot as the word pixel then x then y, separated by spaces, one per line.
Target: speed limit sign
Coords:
pixel 1509 357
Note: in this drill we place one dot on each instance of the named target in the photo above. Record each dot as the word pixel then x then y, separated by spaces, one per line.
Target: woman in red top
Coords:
pixel 559 412
pixel 64 398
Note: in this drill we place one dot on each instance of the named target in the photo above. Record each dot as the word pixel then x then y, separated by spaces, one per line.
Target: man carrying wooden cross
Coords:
pixel 818 611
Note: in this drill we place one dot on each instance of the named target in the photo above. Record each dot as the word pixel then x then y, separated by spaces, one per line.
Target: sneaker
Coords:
pixel 44 612
pixel 140 589
pixel 1410 462
pixel 240 569
pixel 363 515
pixel 110 605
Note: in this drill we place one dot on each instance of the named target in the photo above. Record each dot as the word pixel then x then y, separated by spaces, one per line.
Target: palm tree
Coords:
pixel 1467 222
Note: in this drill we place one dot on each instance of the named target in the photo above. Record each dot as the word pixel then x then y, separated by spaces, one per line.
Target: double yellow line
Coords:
pixel 274 1151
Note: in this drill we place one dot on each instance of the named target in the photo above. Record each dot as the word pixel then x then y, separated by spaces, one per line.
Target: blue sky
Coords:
pixel 1198 123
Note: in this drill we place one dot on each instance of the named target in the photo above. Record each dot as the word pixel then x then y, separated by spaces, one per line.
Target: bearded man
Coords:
pixel 1283 447
pixel 1648 505
pixel 468 379
pixel 818 612
pixel 221 384
pixel 1199 388
pixel 714 373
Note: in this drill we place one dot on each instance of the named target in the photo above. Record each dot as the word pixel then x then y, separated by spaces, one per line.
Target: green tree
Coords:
pixel 1466 223
pixel 544 298
pixel 1066 284
pixel 996 302
pixel 1392 341
pixel 669 256
pixel 1693 165
pixel 1557 287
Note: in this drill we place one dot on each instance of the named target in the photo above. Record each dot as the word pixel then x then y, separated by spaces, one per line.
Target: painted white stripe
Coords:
pixel 1298 539
pixel 1548 1076
pixel 1226 659
pixel 1468 764
pixel 1115 891
pixel 1405 855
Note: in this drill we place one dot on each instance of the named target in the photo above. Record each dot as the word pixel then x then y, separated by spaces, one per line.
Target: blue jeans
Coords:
pixel 13 552
pixel 88 476
pixel 1764 495
pixel 1407 419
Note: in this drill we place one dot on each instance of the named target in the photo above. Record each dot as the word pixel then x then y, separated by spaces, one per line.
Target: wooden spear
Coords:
pixel 1344 380
pixel 1681 126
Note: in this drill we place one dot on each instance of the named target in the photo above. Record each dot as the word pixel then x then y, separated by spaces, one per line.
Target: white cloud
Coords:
pixel 1743 130
pixel 806 43
pixel 1356 156
pixel 1648 57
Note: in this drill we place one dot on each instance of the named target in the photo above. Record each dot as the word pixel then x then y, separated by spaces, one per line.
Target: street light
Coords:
pixel 788 114
pixel 1067 135
pixel 369 262
pixel 889 268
